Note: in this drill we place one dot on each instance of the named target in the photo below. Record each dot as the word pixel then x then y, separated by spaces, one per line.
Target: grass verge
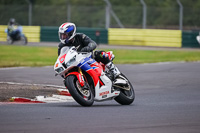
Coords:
pixel 15 56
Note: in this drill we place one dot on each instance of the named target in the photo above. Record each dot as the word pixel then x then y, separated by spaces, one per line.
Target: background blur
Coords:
pixel 163 23
pixel 161 14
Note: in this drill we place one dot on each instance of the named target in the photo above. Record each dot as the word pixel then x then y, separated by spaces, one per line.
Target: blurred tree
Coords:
pixel 91 13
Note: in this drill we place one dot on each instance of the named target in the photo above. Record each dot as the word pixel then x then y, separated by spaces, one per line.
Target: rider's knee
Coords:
pixel 101 56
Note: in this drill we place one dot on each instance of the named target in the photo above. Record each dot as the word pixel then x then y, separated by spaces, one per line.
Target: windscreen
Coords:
pixel 64 49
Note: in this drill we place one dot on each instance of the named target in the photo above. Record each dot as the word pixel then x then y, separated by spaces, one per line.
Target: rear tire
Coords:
pixel 126 97
pixel 71 83
pixel 24 40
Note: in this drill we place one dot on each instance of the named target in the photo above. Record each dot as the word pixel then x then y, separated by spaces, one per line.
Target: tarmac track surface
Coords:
pixel 167 101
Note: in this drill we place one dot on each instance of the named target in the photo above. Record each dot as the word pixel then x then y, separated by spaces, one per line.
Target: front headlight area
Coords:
pixel 70 62
pixel 59 70
pixel 63 68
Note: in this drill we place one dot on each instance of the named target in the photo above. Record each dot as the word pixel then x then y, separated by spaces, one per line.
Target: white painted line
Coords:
pixel 46 99
pixel 44 85
pixel 54 99
pixel 10 68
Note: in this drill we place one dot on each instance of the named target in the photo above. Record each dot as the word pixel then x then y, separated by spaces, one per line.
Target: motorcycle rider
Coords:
pixel 69 37
pixel 12 31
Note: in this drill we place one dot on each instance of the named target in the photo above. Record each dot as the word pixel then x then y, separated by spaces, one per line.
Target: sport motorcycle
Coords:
pixel 17 35
pixel 88 80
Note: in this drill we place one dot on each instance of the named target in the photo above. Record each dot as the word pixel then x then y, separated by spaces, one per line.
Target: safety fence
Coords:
pixel 189 39
pixel 159 14
pixel 115 36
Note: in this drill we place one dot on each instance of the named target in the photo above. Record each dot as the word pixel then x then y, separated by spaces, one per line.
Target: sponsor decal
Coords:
pixel 103 93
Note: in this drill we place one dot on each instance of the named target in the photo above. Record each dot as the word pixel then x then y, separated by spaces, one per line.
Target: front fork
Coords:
pixel 81 79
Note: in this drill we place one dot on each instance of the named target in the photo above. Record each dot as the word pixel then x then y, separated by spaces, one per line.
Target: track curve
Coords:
pixel 167 100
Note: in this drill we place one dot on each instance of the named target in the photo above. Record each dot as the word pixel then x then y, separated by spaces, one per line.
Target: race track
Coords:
pixel 167 100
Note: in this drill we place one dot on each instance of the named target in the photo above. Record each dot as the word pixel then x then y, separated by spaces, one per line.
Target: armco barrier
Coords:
pixel 3 35
pixel 189 39
pixel 49 34
pixel 99 35
pixel 31 32
pixel 116 36
pixel 144 37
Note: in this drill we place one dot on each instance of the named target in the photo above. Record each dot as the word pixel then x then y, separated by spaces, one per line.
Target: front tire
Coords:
pixel 9 40
pixel 72 84
pixel 126 97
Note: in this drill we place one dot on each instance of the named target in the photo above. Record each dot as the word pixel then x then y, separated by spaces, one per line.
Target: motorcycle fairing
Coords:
pixel 79 77
pixel 62 58
pixel 95 70
pixel 84 65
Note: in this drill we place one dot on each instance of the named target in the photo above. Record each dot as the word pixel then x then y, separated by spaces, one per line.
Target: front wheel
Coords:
pixel 82 96
pixel 127 95
pixel 9 40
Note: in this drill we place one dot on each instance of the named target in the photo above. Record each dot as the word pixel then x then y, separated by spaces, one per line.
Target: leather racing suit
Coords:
pixel 84 44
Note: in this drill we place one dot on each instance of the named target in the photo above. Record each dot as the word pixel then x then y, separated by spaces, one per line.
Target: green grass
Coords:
pixel 152 56
pixel 14 56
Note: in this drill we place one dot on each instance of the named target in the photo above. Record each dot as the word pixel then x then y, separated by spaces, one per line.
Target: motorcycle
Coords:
pixel 89 81
pixel 17 35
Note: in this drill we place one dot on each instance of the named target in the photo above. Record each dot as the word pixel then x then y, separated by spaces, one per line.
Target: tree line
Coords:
pixel 87 13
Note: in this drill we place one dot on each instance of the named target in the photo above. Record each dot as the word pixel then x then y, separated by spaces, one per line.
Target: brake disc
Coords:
pixel 83 91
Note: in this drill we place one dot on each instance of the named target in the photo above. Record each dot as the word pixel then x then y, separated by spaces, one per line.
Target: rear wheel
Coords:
pixel 83 96
pixel 24 40
pixel 127 95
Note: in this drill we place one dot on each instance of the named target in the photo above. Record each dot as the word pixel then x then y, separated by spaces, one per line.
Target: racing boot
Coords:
pixel 116 73
pixel 113 69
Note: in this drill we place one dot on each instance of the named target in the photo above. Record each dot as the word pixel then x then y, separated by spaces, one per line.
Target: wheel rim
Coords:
pixel 86 94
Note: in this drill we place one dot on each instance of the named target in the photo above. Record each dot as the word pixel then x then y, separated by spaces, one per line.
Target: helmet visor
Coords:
pixel 64 36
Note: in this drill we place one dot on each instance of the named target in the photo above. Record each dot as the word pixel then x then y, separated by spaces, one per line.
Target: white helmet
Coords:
pixel 66 32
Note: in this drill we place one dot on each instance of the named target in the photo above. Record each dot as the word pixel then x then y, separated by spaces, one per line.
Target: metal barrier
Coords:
pixel 145 37
pixel 189 39
pixel 115 36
